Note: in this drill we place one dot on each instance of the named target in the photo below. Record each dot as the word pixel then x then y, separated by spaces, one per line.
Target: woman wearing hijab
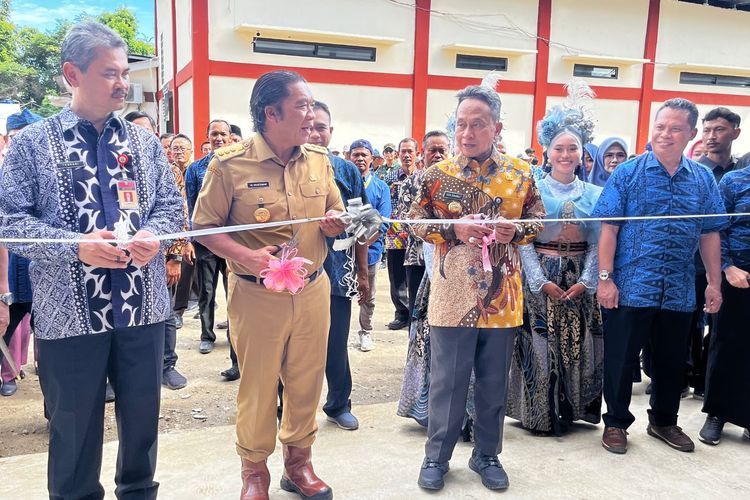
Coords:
pixel 612 152
pixel 589 156
pixel 556 373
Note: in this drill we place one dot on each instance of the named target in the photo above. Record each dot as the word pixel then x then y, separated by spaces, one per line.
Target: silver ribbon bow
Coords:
pixel 363 221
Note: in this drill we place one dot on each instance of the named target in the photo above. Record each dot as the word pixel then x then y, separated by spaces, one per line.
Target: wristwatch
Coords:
pixel 6 298
pixel 604 275
pixel 176 257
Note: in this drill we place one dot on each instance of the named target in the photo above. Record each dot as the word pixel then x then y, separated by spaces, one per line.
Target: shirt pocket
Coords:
pixel 258 206
pixel 314 196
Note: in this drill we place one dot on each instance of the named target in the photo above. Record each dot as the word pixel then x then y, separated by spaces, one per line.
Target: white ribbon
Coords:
pixel 363 223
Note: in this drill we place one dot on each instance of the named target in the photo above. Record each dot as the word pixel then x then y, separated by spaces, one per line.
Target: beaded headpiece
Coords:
pixel 574 115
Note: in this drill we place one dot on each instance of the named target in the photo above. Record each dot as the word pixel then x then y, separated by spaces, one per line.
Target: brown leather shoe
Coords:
pixel 255 480
pixel 673 436
pixel 615 440
pixel 299 476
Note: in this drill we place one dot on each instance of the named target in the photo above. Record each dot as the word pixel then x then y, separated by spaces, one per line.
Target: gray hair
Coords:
pixel 682 104
pixel 484 94
pixel 82 40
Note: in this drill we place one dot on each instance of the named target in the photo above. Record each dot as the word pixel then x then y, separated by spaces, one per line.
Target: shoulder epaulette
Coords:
pixel 231 151
pixel 316 149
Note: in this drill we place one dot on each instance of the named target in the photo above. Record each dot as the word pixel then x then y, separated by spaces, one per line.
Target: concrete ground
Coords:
pixel 381 461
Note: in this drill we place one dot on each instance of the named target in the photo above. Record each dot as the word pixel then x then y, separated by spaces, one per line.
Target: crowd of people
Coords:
pixel 541 290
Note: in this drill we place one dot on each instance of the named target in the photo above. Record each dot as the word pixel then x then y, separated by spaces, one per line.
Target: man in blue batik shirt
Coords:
pixel 80 175
pixel 647 272
pixel 380 198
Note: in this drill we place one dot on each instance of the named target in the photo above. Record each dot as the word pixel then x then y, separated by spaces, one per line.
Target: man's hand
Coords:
pixel 553 291
pixel 713 299
pixel 142 251
pixel 100 254
pixel 4 316
pixel 574 291
pixel 504 231
pixel 363 288
pixel 174 270
pixel 257 260
pixel 332 225
pixel 607 294
pixel 737 277
pixel 471 234
pixel 188 254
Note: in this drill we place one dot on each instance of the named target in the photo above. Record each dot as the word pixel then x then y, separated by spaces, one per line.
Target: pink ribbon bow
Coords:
pixel 287 273
pixel 487 240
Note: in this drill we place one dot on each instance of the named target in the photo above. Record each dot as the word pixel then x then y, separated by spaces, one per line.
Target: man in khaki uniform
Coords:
pixel 275 176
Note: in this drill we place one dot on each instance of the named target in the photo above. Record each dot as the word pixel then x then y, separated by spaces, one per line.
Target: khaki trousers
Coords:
pixel 278 335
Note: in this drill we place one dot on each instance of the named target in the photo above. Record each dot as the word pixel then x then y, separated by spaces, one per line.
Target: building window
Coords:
pixel 724 4
pixel 313 49
pixel 589 71
pixel 714 80
pixel 484 63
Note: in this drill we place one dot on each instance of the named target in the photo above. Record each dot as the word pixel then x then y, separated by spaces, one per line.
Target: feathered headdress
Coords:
pixel 574 115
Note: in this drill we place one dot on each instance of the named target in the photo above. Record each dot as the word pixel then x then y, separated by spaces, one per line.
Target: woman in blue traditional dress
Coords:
pixel 556 374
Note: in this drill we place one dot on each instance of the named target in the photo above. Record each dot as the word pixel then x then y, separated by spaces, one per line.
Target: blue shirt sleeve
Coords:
pixel 727 194
pixel 191 190
pixel 714 205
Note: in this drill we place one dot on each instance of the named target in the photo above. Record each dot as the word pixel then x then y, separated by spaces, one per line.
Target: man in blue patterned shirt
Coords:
pixel 79 176
pixel 647 272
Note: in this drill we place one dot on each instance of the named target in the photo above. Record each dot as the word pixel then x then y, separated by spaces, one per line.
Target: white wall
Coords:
pixel 164 28
pixel 183 17
pixel 186 108
pixel 488 23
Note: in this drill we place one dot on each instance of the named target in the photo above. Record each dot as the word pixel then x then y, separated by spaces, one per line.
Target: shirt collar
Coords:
pixel 70 119
pixel 705 160
pixel 466 162
pixel 653 163
pixel 263 150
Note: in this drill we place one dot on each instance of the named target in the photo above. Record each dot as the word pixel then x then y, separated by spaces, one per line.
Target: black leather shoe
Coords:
pixel 9 388
pixel 711 431
pixel 205 346
pixel 397 324
pixel 232 373
pixel 431 475
pixel 178 323
pixel 109 394
pixel 490 470
pixel 172 379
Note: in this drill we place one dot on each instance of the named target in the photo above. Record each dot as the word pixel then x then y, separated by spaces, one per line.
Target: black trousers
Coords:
pixel 170 333
pixel 184 286
pixel 16 312
pixel 628 330
pixel 413 279
pixel 454 353
pixel 397 277
pixel 208 268
pixel 72 373
pixel 696 365
pixel 338 373
pixel 728 375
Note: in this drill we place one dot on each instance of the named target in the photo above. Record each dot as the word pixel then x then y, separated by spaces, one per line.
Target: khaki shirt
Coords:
pixel 245 177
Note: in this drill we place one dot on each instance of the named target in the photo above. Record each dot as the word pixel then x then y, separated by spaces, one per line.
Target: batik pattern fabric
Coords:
pixel 556 373
pixel 178 246
pixel 463 294
pixel 408 191
pixel 59 181
pixel 396 237
pixel 735 239
pixel 654 262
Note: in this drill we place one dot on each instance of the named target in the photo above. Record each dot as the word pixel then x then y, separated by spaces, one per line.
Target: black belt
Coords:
pixel 255 279
pixel 563 246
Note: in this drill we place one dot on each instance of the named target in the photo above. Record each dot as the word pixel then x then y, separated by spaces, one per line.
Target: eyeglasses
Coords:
pixel 179 149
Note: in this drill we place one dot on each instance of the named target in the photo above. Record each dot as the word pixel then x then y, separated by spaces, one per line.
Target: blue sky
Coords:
pixel 43 14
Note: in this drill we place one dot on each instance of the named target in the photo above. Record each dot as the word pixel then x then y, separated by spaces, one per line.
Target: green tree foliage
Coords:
pixel 30 58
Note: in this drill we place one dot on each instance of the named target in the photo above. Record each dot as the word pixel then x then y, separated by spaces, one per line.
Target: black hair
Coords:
pixel 135 115
pixel 218 120
pixel 324 107
pixel 181 136
pixel 682 104
pixel 433 133
pixel 408 139
pixel 722 112
pixel 269 90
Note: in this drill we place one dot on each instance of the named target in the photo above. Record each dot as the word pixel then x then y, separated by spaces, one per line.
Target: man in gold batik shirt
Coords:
pixel 473 313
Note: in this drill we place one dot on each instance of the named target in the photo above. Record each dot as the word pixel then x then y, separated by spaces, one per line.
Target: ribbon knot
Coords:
pixel 287 273
pixel 363 223
pixel 487 240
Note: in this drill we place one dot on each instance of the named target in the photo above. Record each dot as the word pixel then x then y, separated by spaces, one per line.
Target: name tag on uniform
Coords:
pixel 258 185
pixel 450 195
pixel 69 164
pixel 127 196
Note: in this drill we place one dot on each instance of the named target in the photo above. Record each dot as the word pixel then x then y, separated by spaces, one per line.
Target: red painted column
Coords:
pixel 647 82
pixel 201 94
pixel 421 59
pixel 543 30
pixel 173 86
